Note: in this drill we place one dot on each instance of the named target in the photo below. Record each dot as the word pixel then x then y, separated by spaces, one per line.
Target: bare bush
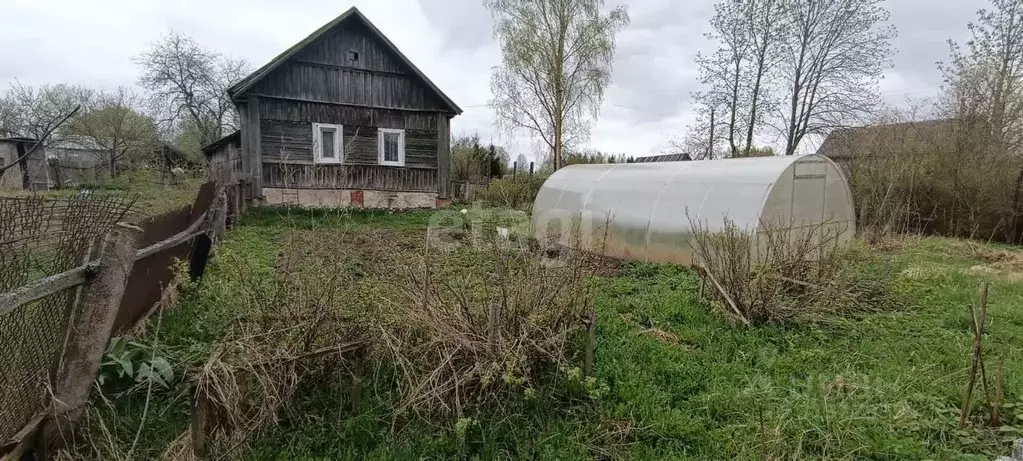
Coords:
pixel 515 192
pixel 291 326
pixel 467 341
pixel 781 271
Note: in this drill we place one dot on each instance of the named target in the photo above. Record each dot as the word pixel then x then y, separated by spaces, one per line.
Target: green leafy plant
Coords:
pixel 131 361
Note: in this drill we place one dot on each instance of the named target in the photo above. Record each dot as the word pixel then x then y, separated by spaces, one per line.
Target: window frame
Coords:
pixel 339 151
pixel 381 133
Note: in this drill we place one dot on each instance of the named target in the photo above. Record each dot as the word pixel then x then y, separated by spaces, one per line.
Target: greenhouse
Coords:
pixel 647 211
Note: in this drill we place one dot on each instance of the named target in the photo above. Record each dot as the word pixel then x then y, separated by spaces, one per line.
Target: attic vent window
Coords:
pixel 353 57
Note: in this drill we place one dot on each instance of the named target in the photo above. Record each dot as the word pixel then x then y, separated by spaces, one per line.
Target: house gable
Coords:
pixel 348 61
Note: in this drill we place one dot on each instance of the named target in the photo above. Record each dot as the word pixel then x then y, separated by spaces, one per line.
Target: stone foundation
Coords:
pixel 343 198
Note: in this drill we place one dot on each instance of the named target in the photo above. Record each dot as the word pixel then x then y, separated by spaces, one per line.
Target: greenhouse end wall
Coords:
pixel 646 211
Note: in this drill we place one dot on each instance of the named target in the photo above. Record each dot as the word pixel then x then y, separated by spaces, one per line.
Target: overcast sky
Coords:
pixel 92 43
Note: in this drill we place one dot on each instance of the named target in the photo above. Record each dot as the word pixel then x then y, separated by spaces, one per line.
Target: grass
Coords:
pixel 153 197
pixel 682 381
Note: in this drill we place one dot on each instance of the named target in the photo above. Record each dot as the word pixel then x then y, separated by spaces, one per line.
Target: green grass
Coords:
pixel 876 386
pixel 152 196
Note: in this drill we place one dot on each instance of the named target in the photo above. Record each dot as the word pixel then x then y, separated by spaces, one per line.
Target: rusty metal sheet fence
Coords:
pixel 39 238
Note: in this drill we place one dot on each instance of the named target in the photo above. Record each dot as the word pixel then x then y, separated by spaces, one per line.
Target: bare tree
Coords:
pixel 557 57
pixel 702 138
pixel 736 75
pixel 39 141
pixel 36 113
pixel 190 82
pixel 990 68
pixel 724 71
pixel 114 123
pixel 834 56
pixel 764 19
pixel 984 93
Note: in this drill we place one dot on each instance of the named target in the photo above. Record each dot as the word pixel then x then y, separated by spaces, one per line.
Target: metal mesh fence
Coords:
pixel 39 238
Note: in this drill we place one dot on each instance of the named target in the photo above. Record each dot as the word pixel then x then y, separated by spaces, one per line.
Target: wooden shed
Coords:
pixel 30 173
pixel 342 118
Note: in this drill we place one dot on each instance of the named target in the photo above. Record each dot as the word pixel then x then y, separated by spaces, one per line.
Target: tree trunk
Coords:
pixel 710 142
pixel 734 110
pixel 753 106
pixel 1013 226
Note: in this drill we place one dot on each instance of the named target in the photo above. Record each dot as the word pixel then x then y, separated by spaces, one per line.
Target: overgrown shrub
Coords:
pixel 472 340
pixel 943 177
pixel 782 272
pixel 513 192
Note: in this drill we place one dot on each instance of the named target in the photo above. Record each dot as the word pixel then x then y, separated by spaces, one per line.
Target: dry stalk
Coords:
pixel 461 341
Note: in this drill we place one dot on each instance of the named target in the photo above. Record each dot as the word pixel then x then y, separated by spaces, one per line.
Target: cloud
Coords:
pixel 92 43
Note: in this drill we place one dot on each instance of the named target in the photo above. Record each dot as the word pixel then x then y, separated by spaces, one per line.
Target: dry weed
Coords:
pixel 781 272
pixel 462 338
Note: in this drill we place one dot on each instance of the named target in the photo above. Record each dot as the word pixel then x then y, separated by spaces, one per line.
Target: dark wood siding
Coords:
pixel 316 82
pixel 333 48
pixel 323 72
pixel 306 176
pixel 321 84
pixel 306 111
pixel 290 141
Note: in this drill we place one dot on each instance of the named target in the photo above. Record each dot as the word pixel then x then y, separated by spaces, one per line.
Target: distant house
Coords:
pixel 851 146
pixel 342 118
pixel 682 157
pixel 76 162
pixel 30 172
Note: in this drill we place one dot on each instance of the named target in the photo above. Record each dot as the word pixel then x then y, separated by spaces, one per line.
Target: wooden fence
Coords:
pixel 116 286
pixel 466 191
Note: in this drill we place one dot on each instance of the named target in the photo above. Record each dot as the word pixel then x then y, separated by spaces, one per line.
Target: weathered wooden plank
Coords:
pixel 290 141
pixel 253 112
pixel 44 287
pixel 443 157
pixel 334 47
pixel 371 177
pixel 174 240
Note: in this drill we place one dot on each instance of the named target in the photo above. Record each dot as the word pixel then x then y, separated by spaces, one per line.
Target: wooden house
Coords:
pixel 342 118
pixel 30 172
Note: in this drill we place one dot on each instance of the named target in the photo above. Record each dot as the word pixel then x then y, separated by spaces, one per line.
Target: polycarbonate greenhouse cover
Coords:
pixel 646 211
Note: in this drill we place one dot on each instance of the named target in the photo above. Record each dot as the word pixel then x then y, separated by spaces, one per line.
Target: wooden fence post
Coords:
pixel 591 341
pixel 219 210
pixel 358 374
pixel 100 300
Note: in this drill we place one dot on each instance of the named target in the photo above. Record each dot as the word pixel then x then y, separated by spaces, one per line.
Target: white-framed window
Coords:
pixel 392 146
pixel 327 143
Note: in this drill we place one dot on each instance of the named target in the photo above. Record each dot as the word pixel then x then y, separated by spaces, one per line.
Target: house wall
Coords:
pixel 35 164
pixel 321 84
pixel 225 164
pixel 285 143
pixel 323 72
pixel 11 179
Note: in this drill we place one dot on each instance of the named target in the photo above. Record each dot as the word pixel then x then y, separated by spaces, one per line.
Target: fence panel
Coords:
pixel 152 273
pixel 41 238
pixel 465 191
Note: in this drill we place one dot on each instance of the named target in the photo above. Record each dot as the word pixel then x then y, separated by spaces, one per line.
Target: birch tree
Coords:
pixel 556 64
pixel 835 53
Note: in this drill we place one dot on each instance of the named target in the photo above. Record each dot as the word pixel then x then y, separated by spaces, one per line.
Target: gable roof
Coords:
pixel 844 143
pixel 212 147
pixel 679 157
pixel 352 12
